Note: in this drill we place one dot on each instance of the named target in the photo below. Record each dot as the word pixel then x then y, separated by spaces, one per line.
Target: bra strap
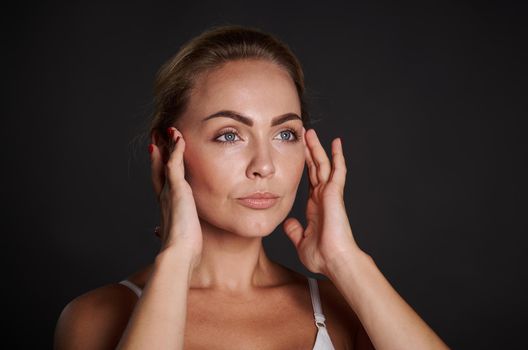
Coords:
pixel 132 287
pixel 316 303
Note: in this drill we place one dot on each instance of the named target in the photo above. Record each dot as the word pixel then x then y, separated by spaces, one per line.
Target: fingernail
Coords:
pixel 170 131
pixel 151 148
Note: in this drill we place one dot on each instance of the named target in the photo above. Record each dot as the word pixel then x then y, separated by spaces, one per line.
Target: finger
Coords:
pixel 312 168
pixel 294 230
pixel 174 169
pixel 157 172
pixel 319 156
pixel 339 170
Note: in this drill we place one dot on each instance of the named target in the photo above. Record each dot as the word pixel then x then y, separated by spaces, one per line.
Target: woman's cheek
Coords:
pixel 299 167
pixel 298 159
pixel 218 169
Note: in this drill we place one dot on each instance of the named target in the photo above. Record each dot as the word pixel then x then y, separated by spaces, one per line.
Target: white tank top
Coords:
pixel 322 341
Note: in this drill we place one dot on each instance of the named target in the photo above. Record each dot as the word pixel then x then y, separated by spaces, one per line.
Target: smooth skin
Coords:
pixel 195 265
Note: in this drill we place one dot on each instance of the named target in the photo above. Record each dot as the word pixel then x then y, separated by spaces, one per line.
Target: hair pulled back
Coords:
pixel 208 51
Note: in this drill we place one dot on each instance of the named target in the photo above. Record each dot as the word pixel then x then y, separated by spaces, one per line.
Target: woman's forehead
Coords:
pixel 244 77
pixel 256 88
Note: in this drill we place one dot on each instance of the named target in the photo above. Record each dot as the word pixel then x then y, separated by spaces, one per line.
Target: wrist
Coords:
pixel 346 262
pixel 175 257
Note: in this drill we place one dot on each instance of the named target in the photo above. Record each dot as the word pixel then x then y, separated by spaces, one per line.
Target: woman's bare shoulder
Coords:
pixel 336 307
pixel 339 310
pixel 95 319
pixel 331 295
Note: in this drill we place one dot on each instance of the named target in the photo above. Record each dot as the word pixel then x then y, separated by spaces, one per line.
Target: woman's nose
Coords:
pixel 261 163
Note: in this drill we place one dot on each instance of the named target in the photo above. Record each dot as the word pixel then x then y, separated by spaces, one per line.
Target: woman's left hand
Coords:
pixel 328 234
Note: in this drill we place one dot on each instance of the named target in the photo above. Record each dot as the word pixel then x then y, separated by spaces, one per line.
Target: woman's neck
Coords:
pixel 233 263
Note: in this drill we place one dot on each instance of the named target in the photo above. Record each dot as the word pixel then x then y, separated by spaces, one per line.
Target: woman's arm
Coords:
pixel 100 320
pixel 158 320
pixel 387 319
pixel 327 245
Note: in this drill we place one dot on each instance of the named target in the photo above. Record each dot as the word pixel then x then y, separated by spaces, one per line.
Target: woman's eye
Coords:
pixel 287 135
pixel 228 136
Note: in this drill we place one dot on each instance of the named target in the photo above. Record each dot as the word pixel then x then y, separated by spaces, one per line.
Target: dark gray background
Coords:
pixel 428 97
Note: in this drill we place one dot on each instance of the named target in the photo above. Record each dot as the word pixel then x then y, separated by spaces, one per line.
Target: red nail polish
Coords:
pixel 150 148
pixel 169 131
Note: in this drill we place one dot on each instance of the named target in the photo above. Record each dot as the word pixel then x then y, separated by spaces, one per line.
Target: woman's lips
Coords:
pixel 258 203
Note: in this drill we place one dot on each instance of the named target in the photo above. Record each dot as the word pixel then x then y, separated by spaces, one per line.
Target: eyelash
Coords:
pixel 233 131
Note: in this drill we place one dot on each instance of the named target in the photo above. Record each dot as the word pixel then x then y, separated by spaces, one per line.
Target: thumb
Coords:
pixel 294 230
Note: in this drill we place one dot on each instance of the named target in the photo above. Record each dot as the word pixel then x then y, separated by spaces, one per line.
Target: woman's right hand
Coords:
pixel 180 225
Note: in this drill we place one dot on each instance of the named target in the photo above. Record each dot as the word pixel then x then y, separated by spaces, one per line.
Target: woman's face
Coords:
pixel 254 142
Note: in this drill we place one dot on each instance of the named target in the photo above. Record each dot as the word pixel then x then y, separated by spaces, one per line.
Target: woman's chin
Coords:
pixel 246 222
pixel 253 229
pixel 249 227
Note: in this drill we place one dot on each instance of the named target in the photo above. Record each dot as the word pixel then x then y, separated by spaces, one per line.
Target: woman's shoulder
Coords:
pixel 336 308
pixel 96 318
pixel 331 299
pixel 342 321
pixel 110 297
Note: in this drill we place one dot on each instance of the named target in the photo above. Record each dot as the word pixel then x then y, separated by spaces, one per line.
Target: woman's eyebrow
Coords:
pixel 248 121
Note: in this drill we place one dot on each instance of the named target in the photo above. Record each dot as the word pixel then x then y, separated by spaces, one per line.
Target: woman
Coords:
pixel 230 138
